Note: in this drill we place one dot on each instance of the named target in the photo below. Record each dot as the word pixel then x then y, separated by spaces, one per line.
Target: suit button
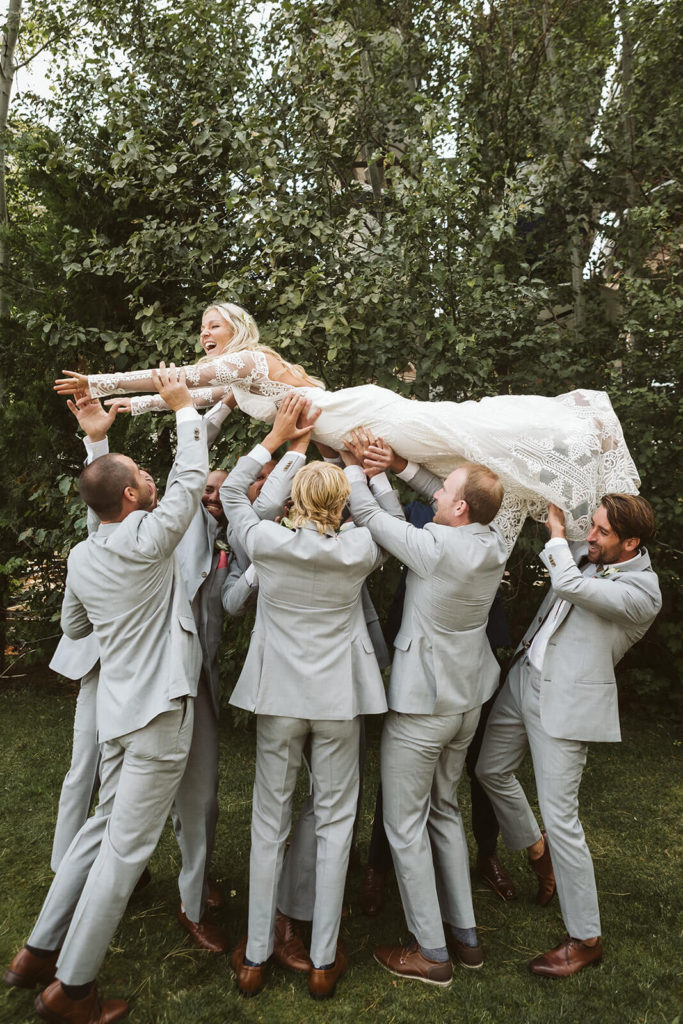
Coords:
pixel 203 575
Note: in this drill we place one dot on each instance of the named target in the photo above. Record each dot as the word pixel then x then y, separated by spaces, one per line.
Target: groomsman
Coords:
pixel 310 671
pixel 443 671
pixel 559 695
pixel 124 583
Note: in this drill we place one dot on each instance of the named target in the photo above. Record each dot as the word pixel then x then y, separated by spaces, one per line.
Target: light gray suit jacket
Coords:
pixel 605 616
pixel 237 593
pixel 310 654
pixel 443 663
pixel 126 581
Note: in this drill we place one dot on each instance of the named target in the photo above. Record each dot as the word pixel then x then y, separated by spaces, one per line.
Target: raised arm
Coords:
pixel 219 373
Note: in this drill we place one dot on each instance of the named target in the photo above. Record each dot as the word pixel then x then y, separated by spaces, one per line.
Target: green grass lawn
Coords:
pixel 631 812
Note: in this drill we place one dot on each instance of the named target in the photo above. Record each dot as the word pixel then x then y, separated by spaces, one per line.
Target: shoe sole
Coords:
pixel 414 977
pixel 13 980
pixel 561 977
pixel 55 1018
pixel 469 967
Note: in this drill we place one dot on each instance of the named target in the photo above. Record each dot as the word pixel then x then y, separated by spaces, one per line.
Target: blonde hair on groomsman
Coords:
pixel 319 492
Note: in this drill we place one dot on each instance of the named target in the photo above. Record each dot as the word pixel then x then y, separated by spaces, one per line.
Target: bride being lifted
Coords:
pixel 568 450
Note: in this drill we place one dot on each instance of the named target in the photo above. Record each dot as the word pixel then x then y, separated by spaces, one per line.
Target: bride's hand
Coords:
pixel 72 383
pixel 120 404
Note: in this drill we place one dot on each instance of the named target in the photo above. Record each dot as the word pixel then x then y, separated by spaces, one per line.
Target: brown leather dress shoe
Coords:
pixel 569 957
pixel 322 982
pixel 371 897
pixel 288 948
pixel 471 957
pixel 543 867
pixel 55 1006
pixel 496 877
pixel 250 980
pixel 205 933
pixel 410 962
pixel 28 970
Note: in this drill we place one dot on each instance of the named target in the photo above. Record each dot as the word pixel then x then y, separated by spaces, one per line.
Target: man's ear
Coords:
pixel 632 543
pixel 130 494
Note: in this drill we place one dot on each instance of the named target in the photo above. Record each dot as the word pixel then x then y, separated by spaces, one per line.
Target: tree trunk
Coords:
pixel 10 36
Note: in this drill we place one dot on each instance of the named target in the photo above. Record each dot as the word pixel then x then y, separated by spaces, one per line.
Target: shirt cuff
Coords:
pixel 334 460
pixel 218 413
pixel 250 576
pixel 380 484
pixel 556 542
pixel 296 455
pixel 95 448
pixel 355 474
pixel 260 454
pixel 188 412
pixel 409 472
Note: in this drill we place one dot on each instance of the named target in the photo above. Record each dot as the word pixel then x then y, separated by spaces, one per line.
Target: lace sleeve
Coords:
pixel 220 371
pixel 202 398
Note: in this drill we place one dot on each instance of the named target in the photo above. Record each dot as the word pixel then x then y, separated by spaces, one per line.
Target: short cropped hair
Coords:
pixel 483 492
pixel 319 492
pixel 630 515
pixel 101 484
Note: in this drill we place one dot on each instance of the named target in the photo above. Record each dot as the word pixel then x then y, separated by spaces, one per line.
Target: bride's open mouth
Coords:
pixel 209 346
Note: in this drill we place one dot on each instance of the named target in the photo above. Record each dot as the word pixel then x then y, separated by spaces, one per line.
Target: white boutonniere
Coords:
pixel 609 570
pixel 220 545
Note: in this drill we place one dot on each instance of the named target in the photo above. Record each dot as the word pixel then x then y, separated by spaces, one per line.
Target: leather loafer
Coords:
pixel 28 970
pixel 570 957
pixel 323 981
pixel 250 980
pixel 371 898
pixel 204 933
pixel 543 867
pixel 467 956
pixel 496 877
pixel 410 962
pixel 288 948
pixel 55 1006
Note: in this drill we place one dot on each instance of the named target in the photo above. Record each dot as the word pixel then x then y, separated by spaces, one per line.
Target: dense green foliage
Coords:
pixel 486 192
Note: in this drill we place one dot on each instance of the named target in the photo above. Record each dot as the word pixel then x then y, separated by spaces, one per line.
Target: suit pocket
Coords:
pixel 188 623
pixel 367 645
pixel 402 641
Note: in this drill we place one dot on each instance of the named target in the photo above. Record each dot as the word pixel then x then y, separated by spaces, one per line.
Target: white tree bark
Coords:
pixel 7 69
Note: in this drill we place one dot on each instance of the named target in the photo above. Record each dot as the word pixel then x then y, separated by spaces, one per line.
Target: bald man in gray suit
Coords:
pixel 124 583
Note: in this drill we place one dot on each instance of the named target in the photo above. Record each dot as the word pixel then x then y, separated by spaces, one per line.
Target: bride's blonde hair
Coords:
pixel 319 492
pixel 246 336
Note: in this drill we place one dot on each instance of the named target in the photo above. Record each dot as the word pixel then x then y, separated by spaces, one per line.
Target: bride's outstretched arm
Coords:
pixel 221 371
pixel 202 398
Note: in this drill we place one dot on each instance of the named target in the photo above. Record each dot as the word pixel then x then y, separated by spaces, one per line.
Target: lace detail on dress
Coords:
pixel 202 398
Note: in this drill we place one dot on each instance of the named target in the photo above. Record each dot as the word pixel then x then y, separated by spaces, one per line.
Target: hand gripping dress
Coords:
pixel 569 450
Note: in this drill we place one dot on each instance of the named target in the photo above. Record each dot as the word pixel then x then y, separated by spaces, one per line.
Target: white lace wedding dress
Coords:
pixel 569 450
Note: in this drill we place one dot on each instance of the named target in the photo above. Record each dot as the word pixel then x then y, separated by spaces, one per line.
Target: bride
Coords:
pixel 568 450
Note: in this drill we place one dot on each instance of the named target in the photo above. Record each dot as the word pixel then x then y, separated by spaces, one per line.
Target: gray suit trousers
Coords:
pixel 422 757
pixel 296 892
pixel 334 769
pixel 513 726
pixel 195 808
pixel 140 773
pixel 78 788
